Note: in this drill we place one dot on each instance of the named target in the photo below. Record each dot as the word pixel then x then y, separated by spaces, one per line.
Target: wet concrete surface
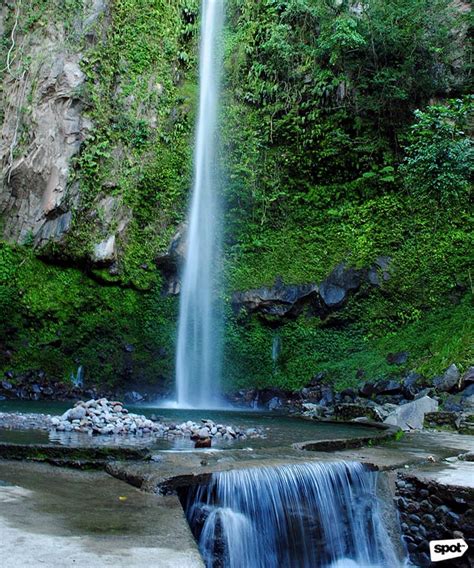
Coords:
pixel 56 517
pixel 417 451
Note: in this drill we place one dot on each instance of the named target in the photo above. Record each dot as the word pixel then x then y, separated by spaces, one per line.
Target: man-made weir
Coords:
pixel 305 515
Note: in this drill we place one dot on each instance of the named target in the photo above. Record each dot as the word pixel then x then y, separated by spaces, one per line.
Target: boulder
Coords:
pixel 339 283
pixel 381 411
pixel 387 386
pixel 448 381
pixel 275 403
pixel 327 396
pixel 76 413
pixel 411 416
pixel 453 404
pixel 468 378
pixel 203 433
pixel 468 391
pixel 399 358
pixel 133 397
pixel 410 385
pixel 468 403
pixel 367 389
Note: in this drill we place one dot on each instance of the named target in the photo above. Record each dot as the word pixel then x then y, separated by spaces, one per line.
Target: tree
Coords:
pixel 439 160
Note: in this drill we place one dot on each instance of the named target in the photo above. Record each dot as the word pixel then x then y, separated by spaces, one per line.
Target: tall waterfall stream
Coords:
pixel 197 356
pixel 306 515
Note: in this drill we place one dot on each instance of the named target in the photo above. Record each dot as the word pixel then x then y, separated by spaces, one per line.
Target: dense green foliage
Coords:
pixel 327 95
pixel 348 355
pixel 440 157
pixel 56 318
pixel 345 132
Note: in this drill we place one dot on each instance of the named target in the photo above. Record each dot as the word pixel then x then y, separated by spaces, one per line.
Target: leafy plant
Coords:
pixel 440 153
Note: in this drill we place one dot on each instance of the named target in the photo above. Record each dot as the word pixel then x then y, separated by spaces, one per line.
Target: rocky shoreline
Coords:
pixel 446 401
pixel 410 402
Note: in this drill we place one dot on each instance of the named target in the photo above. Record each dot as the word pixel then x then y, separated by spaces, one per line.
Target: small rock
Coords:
pixel 203 443
pixel 468 391
pixel 203 433
pixel 399 358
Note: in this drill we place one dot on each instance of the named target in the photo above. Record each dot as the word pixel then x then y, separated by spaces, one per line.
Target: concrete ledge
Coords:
pixel 382 432
pixel 79 457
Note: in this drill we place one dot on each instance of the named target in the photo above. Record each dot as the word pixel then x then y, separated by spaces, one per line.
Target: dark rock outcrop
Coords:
pixel 280 302
pixel 387 386
pixel 468 378
pixel 169 263
pixel 411 385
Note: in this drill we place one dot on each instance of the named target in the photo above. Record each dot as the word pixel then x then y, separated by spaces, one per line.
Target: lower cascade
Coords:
pixel 305 515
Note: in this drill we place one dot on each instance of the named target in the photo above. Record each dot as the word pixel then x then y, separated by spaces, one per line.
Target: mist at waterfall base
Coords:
pixel 198 355
pixel 306 515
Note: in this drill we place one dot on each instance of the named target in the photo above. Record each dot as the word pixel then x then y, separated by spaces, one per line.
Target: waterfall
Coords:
pixel 198 353
pixel 295 516
pixel 276 349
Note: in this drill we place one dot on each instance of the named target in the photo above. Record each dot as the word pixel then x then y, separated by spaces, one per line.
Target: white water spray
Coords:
pixel 306 515
pixel 198 353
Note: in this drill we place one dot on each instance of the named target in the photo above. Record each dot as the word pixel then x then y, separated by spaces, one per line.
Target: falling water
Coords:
pixel 300 516
pixel 78 379
pixel 276 349
pixel 198 358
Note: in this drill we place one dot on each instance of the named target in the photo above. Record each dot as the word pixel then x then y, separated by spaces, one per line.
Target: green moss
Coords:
pixel 58 318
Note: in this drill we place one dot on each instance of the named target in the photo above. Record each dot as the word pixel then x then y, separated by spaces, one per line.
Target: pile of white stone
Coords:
pixel 108 417
pixel 104 417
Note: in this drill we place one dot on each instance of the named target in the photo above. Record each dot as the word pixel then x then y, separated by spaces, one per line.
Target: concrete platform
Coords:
pixel 57 518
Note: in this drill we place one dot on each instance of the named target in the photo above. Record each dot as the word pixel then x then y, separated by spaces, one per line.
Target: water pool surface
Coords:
pixel 280 430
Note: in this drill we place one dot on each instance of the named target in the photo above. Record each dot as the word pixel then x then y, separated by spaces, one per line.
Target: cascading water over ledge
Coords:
pixel 306 515
pixel 198 352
